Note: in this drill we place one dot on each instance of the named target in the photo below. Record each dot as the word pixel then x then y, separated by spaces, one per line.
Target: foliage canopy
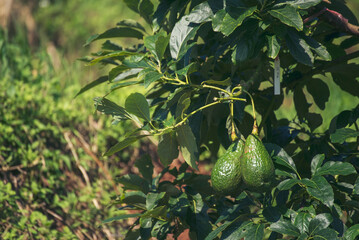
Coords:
pixel 199 61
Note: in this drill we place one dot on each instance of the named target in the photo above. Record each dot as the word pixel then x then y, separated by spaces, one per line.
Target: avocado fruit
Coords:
pixel 256 165
pixel 226 175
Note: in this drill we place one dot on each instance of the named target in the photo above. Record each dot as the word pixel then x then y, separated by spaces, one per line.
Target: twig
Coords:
pixel 20 167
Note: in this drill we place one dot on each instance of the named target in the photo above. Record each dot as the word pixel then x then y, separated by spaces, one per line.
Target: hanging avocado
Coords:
pixel 256 165
pixel 226 175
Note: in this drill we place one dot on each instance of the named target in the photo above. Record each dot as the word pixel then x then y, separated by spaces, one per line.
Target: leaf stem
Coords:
pixel 255 126
pixel 216 88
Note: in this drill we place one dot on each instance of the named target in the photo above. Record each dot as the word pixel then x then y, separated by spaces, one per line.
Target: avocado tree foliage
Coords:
pixel 201 62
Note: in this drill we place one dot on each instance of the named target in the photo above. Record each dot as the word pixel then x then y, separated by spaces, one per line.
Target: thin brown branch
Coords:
pixel 21 166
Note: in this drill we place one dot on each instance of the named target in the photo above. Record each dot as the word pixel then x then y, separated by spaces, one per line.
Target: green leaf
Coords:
pixel 255 232
pixel 132 4
pixel 319 49
pixel 137 104
pixel 134 182
pixel 114 72
pixel 287 184
pixel 153 199
pixel 323 191
pixel 316 163
pixel 302 221
pixel 121 217
pixel 168 148
pixel 299 49
pixel 131 23
pixel 237 230
pixel 148 76
pixel 183 103
pixel 304 4
pixel 146 9
pixel 111 55
pixel 342 134
pixel 190 68
pixel 158 212
pixel 92 84
pixel 121 145
pixel 217 231
pixel 282 156
pixel 241 51
pixel 336 168
pixel 186 29
pixel 227 82
pixel 356 187
pixel 289 16
pixel 285 227
pixel 188 145
pixel 110 108
pixel 157 44
pixel 326 234
pixel 227 22
pixel 319 91
pixel 352 232
pixel 273 46
pixel 115 33
pixel 145 167
pixel 133 198
pixel 321 221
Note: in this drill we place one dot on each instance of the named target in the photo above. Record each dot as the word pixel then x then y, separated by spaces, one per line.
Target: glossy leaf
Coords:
pixel 336 168
pixel 186 29
pixel 131 23
pixel 188 145
pixel 137 104
pixel 323 191
pixel 152 199
pixel 342 134
pixel 319 49
pixel 255 232
pixel 168 148
pixel 289 16
pixel 302 221
pixel 316 163
pixel 115 33
pixel 304 4
pixel 356 187
pixel 299 49
pixel 157 44
pixel 352 233
pixel 110 108
pixel 227 22
pixel 121 217
pixel 326 234
pixel 321 221
pixel 285 227
pixel 123 144
pixel 273 46
pixel 92 84
pixel 287 184
pixel 134 182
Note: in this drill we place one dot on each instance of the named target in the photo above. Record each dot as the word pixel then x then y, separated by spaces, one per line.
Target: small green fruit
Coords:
pixel 226 175
pixel 256 165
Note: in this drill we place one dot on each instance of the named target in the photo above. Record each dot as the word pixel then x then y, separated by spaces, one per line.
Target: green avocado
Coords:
pixel 226 175
pixel 256 165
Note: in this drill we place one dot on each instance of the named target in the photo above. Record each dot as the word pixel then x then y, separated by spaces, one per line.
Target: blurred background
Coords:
pixel 54 182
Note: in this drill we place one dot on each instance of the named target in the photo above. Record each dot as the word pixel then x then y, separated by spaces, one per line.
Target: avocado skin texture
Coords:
pixel 256 165
pixel 226 175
